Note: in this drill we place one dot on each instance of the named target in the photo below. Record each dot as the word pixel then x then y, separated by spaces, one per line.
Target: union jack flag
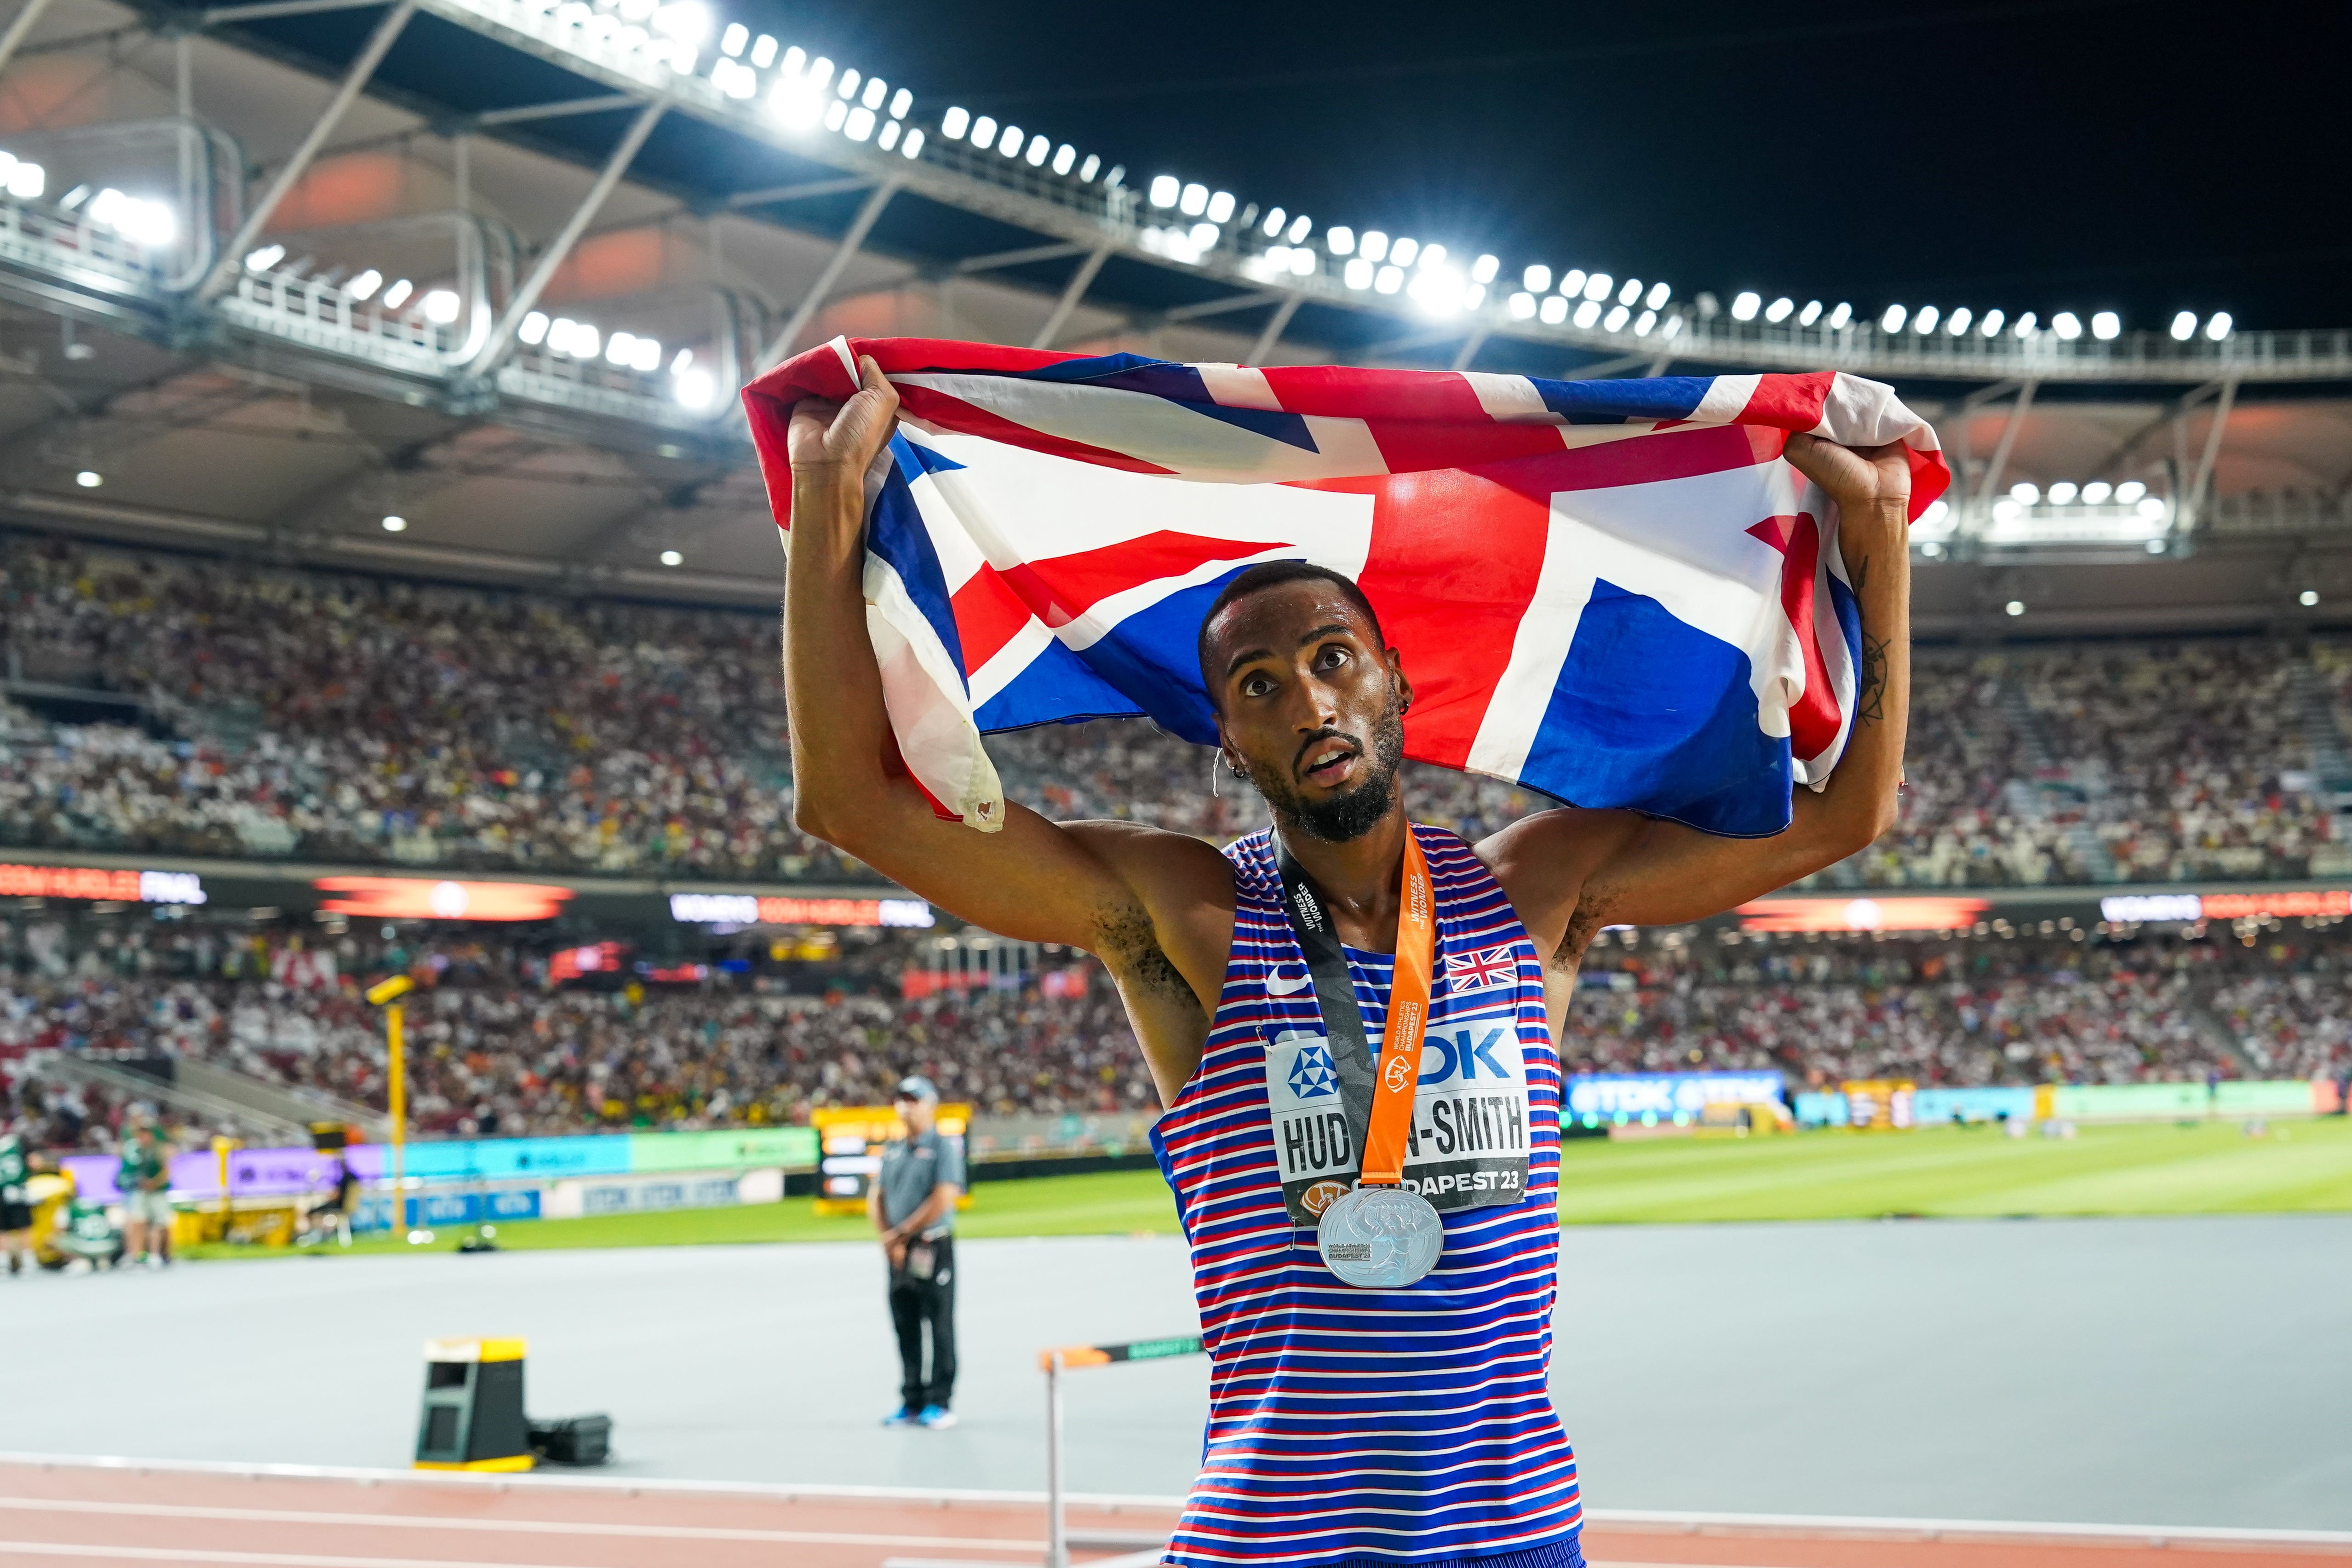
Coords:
pixel 1615 592
pixel 1476 971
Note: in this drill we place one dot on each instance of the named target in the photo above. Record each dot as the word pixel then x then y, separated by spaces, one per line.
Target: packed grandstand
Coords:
pixel 174 706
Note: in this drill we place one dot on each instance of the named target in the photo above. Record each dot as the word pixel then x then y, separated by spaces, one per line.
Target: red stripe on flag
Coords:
pixel 1452 567
pixel 1345 392
pixel 1061 588
pixel 987 614
pixel 1411 445
pixel 1789 402
pixel 1813 717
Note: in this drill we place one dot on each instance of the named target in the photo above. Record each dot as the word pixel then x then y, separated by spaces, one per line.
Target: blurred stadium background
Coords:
pixel 388 589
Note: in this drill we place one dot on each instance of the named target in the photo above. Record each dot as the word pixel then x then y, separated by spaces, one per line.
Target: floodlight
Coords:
pixel 858 124
pixel 672 558
pixel 2307 598
pixel 2130 491
pixel 693 388
pixel 913 146
pixel 955 120
pixel 1618 315
pixel 683 362
pixel 1572 282
pixel 2007 511
pixel 1404 250
pixel 1011 143
pixel 89 479
pixel 1555 309
pixel 2067 326
pixel 1990 326
pixel 1431 255
pixel 1587 313
pixel 1065 158
pixel 1957 323
pixel 1779 309
pixel 796 102
pixel 1893 321
pixel 1643 322
pixel 2062 493
pixel 2015 606
pixel 2106 326
pixel 1274 221
pixel 645 355
pixel 27 181
pixel 363 287
pixel 1040 148
pixel 584 341
pixel 1745 305
pixel 2218 327
pixel 1163 190
pixel 1657 297
pixel 820 72
pixel 1474 295
pixel 2156 547
pixel 1374 246
pixel 1483 271
pixel 397 295
pixel 395 523
pixel 1936 512
pixel 1204 235
pixel 2150 507
pixel 889 136
pixel 763 50
pixel 2024 493
pixel 688 21
pixel 848 87
pixel 1091 167
pixel 1340 241
pixel 2025 327
pixel 1193 200
pixel 2184 326
pixel 2096 493
pixel 795 60
pixel 1359 274
pixel 836 114
pixel 731 41
pixel 1809 314
pixel 1839 317
pixel 1221 206
pixel 1388 280
pixel 1537 278
pixel 260 260
pixel 1300 227
pixel 533 330
pixel 1597 286
pixel 1925 322
pixel 877 89
pixel 441 307
pixel 1631 292
pixel 901 101
pixel 983 134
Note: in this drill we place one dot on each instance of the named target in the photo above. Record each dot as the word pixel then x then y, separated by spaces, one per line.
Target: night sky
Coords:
pixel 2080 154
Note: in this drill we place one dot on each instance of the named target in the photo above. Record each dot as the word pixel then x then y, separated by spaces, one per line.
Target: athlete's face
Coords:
pixel 1311 705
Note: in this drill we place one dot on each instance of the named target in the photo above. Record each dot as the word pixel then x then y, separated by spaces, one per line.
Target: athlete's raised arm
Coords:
pixel 1155 906
pixel 1570 872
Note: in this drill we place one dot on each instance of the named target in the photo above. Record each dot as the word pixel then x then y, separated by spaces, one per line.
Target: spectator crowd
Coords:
pixel 340 718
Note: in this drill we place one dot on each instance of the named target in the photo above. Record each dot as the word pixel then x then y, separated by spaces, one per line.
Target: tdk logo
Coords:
pixel 1469 1053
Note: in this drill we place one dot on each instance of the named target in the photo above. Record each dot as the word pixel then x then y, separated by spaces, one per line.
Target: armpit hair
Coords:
pixel 1591 914
pixel 1126 941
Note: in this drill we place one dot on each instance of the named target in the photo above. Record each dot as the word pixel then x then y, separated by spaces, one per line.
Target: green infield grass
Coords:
pixel 2135 1169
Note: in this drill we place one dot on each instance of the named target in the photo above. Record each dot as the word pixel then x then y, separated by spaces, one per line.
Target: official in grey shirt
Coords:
pixel 912 1202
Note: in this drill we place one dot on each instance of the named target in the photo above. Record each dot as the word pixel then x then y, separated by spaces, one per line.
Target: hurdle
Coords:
pixel 1070 1358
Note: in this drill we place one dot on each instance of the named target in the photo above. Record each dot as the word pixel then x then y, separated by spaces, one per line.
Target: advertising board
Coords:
pixel 1596 1097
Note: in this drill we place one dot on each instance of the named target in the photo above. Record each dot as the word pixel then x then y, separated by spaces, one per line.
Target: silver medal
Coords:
pixel 1380 1239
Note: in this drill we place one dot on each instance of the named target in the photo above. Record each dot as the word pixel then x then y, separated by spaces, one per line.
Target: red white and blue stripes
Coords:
pixel 1616 592
pixel 1370 1426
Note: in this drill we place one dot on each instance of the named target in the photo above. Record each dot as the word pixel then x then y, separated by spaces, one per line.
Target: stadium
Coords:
pixel 401 847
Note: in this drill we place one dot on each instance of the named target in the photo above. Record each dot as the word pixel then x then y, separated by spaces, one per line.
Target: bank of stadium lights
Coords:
pixel 21 178
pixel 2217 326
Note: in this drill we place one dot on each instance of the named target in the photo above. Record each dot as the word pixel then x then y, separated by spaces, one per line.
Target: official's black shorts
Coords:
pixel 15 1217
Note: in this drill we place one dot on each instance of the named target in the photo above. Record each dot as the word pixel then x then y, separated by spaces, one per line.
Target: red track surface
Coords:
pixel 82 1513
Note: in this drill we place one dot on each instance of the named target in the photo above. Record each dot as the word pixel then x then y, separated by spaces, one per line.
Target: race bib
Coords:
pixel 1466 1146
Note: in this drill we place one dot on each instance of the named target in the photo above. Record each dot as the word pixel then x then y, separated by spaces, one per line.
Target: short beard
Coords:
pixel 1340 818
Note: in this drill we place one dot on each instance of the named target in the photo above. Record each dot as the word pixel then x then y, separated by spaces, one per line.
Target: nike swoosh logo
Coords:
pixel 1277 986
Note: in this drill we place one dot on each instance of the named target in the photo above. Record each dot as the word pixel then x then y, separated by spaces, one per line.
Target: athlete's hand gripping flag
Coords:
pixel 1617 593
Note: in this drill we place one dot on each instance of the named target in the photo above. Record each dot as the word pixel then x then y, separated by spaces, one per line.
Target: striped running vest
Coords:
pixel 1372 1427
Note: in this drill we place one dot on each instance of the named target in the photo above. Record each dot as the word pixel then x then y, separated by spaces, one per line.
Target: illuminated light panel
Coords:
pixel 1861 914
pixel 94 882
pixel 747 909
pixel 425 899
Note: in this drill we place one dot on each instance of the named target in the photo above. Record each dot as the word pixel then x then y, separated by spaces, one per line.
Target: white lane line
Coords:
pixel 259 1559
pixel 512 1526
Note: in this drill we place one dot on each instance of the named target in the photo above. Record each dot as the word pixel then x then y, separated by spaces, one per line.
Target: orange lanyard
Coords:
pixel 1400 1063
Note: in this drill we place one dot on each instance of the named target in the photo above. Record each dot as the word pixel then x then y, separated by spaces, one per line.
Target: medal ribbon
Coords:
pixel 1399 1067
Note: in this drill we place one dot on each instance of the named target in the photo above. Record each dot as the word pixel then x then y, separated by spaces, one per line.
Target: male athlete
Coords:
pixel 1346 1424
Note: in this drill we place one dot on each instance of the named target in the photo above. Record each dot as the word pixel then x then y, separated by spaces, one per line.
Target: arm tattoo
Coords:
pixel 1869 705
pixel 1127 942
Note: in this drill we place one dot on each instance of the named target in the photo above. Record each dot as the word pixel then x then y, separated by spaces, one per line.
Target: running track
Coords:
pixel 100 1513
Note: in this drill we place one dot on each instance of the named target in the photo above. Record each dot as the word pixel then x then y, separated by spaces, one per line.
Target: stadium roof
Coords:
pixel 357 336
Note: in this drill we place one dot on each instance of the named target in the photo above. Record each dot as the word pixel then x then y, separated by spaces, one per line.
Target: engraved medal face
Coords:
pixel 1381 1238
